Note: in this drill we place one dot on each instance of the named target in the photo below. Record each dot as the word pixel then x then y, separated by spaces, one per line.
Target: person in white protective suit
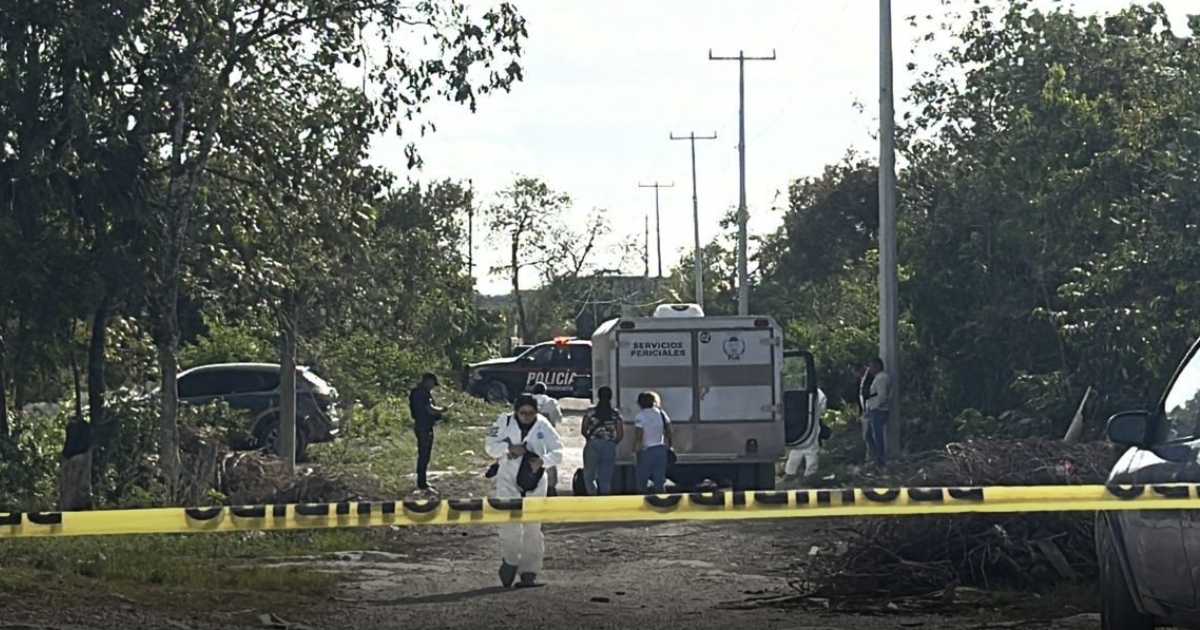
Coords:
pixel 548 407
pixel 805 455
pixel 522 438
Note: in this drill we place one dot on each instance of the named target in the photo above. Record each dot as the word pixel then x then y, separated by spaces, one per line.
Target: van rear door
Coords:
pixel 737 375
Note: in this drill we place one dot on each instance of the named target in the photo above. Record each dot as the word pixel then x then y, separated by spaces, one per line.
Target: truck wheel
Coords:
pixel 1118 610
pixel 496 392
pixel 266 435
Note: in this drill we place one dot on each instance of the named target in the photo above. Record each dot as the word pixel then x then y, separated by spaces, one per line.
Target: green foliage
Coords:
pixel 1048 207
pixel 29 461
pixel 158 158
pixel 368 370
pixel 230 343
pixel 1047 228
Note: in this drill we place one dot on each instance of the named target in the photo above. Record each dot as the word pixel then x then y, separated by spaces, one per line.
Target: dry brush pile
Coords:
pixel 922 555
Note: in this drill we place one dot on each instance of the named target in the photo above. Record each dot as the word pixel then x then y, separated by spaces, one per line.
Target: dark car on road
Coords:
pixel 564 365
pixel 255 388
pixel 1150 559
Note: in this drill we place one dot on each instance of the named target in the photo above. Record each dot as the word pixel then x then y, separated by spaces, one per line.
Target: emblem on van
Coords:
pixel 705 336
pixel 734 348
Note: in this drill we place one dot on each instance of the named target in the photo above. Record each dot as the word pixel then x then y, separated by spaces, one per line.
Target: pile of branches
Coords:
pixel 213 469
pixel 920 555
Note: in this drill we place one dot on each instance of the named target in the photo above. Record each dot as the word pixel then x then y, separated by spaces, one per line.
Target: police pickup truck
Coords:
pixel 564 365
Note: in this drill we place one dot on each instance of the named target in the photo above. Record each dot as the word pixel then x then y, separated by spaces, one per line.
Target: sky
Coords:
pixel 607 82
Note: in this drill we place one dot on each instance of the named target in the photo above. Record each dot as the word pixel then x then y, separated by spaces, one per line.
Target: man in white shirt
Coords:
pixel 877 410
pixel 549 408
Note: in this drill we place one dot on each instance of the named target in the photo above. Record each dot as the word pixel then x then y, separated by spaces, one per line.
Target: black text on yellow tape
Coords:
pixel 707 506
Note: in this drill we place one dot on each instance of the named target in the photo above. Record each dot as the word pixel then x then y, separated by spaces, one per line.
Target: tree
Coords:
pixel 829 221
pixel 720 272
pixel 193 67
pixel 526 214
pixel 73 194
pixel 1047 189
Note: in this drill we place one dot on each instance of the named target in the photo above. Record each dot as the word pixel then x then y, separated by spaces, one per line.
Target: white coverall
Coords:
pixel 548 407
pixel 807 453
pixel 522 545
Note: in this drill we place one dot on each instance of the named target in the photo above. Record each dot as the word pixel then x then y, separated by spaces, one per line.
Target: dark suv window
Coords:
pixel 581 357
pixel 269 381
pixel 226 382
pixel 207 383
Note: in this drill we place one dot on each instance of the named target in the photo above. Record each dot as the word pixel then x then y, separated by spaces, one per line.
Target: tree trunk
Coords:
pixel 20 373
pixel 75 479
pixel 516 284
pixel 4 429
pixel 168 428
pixel 286 444
pixel 96 385
pixel 104 427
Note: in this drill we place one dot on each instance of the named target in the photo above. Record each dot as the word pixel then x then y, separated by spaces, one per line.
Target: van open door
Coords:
pixel 799 396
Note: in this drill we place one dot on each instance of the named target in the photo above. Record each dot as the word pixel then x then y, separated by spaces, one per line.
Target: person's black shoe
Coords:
pixel 508 573
pixel 551 491
pixel 492 470
pixel 528 580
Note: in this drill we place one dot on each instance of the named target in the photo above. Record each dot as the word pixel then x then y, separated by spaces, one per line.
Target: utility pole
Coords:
pixel 657 220
pixel 646 250
pixel 889 309
pixel 743 214
pixel 698 258
pixel 470 229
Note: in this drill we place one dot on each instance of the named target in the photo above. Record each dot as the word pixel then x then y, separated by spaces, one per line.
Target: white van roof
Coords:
pixel 678 310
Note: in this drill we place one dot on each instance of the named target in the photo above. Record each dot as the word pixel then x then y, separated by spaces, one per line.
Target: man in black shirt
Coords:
pixel 425 414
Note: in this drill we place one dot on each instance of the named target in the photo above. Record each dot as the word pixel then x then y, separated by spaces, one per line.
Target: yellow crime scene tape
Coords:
pixel 704 506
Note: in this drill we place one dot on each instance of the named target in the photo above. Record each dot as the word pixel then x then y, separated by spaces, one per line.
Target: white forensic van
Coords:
pixel 733 402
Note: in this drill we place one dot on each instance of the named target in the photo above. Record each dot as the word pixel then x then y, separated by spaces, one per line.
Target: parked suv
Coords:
pixel 1150 559
pixel 255 387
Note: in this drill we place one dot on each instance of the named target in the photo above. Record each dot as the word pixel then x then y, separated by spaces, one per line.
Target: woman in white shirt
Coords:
pixel 652 435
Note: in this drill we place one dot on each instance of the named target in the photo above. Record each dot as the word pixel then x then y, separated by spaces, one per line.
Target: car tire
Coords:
pixel 266 432
pixel 496 392
pixel 1117 610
